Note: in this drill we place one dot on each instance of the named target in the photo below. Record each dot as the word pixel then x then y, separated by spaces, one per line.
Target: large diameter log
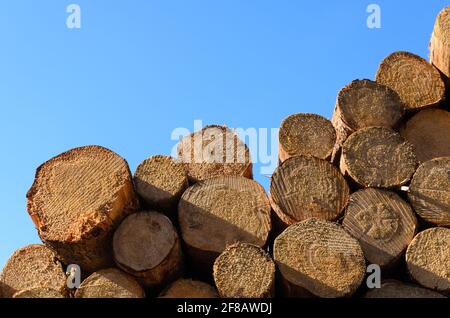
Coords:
pixel 306 134
pixel 146 245
pixel 378 157
pixel 160 182
pixel 212 152
pixel 394 289
pixel 440 44
pixel 319 257
pixel 428 259
pixel 303 187
pixel 429 131
pixel 244 271
pixel 429 192
pixel 189 288
pixel 110 283
pixel 221 211
pixel 361 104
pixel 77 200
pixel 418 83
pixel 383 224
pixel 33 266
pixel 39 292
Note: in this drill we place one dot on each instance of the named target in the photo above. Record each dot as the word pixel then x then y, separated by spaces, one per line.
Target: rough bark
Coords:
pixel 396 289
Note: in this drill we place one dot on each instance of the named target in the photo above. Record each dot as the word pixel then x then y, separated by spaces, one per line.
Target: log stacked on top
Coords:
pixel 371 186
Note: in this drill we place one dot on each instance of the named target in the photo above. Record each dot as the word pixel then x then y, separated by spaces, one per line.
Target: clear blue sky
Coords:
pixel 138 69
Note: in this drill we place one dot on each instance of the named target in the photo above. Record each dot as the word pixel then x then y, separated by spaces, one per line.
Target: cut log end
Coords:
pixel 321 258
pixel 440 44
pixel 430 191
pixel 244 271
pixel 110 283
pixel 160 182
pixel 306 134
pixel 33 266
pixel 378 157
pixel 395 289
pixel 418 83
pixel 304 187
pixel 428 259
pixel 189 288
pixel 428 131
pixel 39 292
pixel 219 212
pixel 146 245
pixel 212 152
pixel 76 201
pixel 382 222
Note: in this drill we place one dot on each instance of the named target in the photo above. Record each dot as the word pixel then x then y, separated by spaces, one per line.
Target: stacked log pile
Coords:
pixel 369 186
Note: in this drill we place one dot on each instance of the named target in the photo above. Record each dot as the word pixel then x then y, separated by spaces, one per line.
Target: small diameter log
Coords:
pixel 383 224
pixel 221 211
pixel 428 259
pixel 146 245
pixel 429 131
pixel 418 83
pixel 306 134
pixel 110 283
pixel 39 292
pixel 303 187
pixel 378 157
pixel 319 257
pixel 189 288
pixel 33 266
pixel 429 192
pixel 244 271
pixel 395 289
pixel 440 44
pixel 361 104
pixel 77 200
pixel 160 182
pixel 214 151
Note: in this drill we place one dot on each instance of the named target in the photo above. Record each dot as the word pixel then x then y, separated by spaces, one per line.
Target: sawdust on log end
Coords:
pixel 76 202
pixel 418 83
pixel 33 266
pixel 396 289
pixel 303 187
pixel 319 257
pixel 383 224
pixel 378 157
pixel 39 292
pixel 189 288
pixel 110 283
pixel 428 259
pixel 146 245
pixel 306 134
pixel 214 151
pixel 244 271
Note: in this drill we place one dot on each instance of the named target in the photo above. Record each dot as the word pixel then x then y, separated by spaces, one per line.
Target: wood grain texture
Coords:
pixel 391 289
pixel 189 288
pixel 39 292
pixel 440 44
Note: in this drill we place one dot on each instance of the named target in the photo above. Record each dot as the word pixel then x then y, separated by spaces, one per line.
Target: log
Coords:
pixel 428 259
pixel 417 82
pixel 378 157
pixel 39 292
pixel 361 104
pixel 303 187
pixel 146 245
pixel 319 257
pixel 189 288
pixel 110 283
pixel 160 182
pixel 383 224
pixel 440 45
pixel 32 266
pixel 221 211
pixel 212 152
pixel 306 134
pixel 396 289
pixel 428 132
pixel 429 192
pixel 244 271
pixel 77 200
